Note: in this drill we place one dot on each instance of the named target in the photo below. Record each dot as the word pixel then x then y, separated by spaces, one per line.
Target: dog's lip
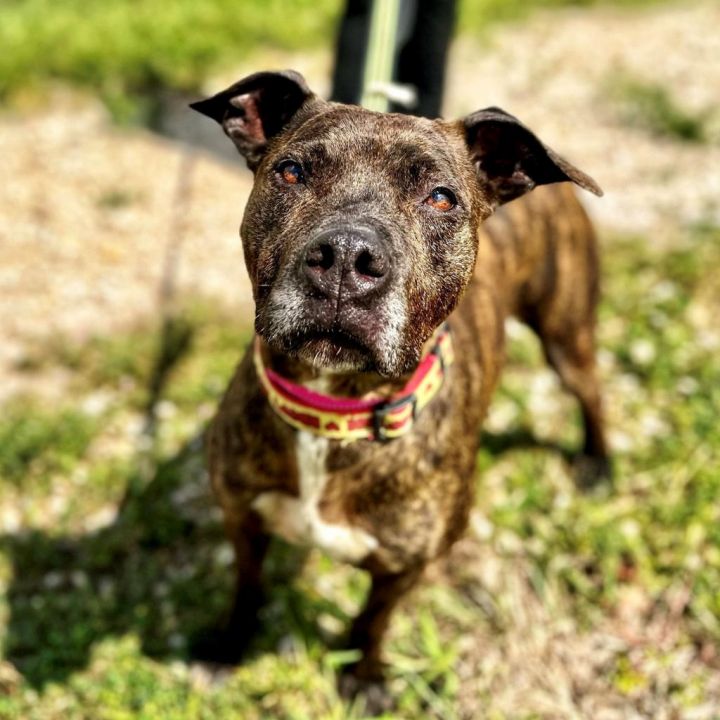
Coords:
pixel 335 336
pixel 330 348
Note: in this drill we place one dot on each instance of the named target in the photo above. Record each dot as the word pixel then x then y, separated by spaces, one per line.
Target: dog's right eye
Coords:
pixel 290 172
pixel 441 199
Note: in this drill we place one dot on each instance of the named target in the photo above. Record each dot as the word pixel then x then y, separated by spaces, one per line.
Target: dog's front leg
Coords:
pixel 250 543
pixel 367 633
pixel 228 643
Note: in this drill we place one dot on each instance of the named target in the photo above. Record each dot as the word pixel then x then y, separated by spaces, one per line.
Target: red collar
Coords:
pixel 341 418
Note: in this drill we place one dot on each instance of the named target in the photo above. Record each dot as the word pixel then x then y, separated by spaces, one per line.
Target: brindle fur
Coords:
pixel 535 258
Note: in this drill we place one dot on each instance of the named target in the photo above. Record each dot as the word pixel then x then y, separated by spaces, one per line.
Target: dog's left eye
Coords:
pixel 441 199
pixel 290 172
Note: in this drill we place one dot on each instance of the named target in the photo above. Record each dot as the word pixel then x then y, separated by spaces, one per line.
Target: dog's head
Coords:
pixel 360 232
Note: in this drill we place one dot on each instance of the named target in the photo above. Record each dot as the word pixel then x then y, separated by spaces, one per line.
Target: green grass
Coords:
pixel 95 616
pixel 475 15
pixel 36 442
pixel 127 52
pixel 123 49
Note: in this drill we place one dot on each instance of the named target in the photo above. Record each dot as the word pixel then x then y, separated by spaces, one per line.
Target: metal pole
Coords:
pixel 378 87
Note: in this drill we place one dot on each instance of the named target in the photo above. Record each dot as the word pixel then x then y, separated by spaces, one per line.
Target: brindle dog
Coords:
pixel 363 234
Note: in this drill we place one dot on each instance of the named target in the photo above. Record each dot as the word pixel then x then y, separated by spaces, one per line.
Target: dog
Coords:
pixel 381 293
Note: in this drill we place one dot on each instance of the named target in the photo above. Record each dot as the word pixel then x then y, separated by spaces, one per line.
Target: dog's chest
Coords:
pixel 298 519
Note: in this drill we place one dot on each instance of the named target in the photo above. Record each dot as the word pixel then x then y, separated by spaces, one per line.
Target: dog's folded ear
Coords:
pixel 256 108
pixel 510 160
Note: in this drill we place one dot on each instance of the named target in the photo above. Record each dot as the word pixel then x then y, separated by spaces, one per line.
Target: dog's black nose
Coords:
pixel 350 263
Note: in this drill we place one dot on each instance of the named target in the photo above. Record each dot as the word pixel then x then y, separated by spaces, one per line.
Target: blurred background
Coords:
pixel 124 306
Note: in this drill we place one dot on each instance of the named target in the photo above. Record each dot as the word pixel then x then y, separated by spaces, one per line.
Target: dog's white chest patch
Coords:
pixel 297 519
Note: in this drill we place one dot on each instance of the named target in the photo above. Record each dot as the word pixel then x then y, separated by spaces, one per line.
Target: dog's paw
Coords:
pixel 591 471
pixel 372 691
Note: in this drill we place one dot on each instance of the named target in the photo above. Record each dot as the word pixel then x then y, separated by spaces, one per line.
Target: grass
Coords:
pixel 35 443
pixel 108 564
pixel 475 15
pixel 129 52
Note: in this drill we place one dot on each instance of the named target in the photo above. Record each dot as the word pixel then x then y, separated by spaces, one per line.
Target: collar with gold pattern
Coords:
pixel 341 418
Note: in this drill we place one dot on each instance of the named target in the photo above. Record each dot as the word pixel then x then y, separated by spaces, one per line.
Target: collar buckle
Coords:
pixel 382 411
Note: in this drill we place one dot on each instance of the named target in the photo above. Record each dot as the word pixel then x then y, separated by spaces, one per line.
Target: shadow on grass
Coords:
pixel 523 438
pixel 589 474
pixel 161 570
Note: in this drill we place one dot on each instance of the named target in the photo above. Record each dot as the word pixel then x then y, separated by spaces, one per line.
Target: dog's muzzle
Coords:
pixel 340 305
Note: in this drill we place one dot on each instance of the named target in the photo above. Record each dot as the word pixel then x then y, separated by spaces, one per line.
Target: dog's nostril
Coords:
pixel 321 256
pixel 371 265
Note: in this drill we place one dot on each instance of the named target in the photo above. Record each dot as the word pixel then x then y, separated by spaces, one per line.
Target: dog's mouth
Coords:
pixel 332 336
pixel 334 349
